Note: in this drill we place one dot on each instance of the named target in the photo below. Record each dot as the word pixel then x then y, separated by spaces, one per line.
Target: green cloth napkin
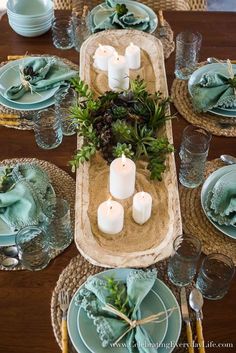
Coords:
pixel 95 295
pixel 221 201
pixel 126 21
pixel 41 74
pixel 28 199
pixel 214 90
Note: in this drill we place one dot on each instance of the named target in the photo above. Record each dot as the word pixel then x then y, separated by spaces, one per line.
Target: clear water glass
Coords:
pixel 183 262
pixel 81 28
pixel 62 33
pixel 65 99
pixel 193 155
pixel 33 246
pixel 59 230
pixel 187 54
pixel 215 275
pixel 47 129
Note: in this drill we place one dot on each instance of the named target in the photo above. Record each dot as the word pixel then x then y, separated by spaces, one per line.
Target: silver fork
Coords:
pixel 64 301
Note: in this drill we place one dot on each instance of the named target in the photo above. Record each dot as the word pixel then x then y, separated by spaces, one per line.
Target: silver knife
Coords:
pixel 185 316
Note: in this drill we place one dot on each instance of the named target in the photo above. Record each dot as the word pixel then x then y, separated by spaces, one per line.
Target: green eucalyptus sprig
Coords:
pixel 118 295
pixel 6 180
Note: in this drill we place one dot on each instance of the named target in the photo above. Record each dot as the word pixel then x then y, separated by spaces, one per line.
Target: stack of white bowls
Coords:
pixel 30 18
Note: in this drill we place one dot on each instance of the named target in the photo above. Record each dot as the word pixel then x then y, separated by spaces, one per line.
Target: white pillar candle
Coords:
pixel 110 216
pixel 118 73
pixel 122 178
pixel 102 54
pixel 142 207
pixel 133 56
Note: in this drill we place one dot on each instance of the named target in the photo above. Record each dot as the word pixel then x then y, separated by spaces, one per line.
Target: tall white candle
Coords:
pixel 102 54
pixel 122 178
pixel 142 207
pixel 133 56
pixel 118 73
pixel 110 217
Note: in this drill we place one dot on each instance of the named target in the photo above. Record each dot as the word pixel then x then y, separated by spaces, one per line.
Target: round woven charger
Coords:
pixel 166 35
pixel 25 122
pixel 195 222
pixel 217 125
pixel 77 272
pixel 64 187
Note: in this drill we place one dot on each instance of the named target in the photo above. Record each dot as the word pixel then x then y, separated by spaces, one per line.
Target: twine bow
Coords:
pixel 25 83
pixel 232 79
pixel 134 323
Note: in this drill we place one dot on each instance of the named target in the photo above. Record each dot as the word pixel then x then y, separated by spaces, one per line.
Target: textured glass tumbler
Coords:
pixel 59 230
pixel 215 275
pixel 187 53
pixel 33 246
pixel 193 154
pixel 183 263
pixel 66 98
pixel 47 129
pixel 81 31
pixel 62 33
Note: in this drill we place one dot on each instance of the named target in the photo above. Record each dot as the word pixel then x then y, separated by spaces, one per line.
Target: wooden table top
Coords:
pixel 25 325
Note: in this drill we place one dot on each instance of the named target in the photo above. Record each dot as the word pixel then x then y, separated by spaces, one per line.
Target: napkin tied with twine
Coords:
pixel 121 21
pixel 39 75
pixel 215 90
pixel 29 197
pixel 111 324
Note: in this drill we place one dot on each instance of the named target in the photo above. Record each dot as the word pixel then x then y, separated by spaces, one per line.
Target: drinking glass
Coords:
pixel 193 154
pixel 215 275
pixel 47 129
pixel 81 31
pixel 187 54
pixel 62 33
pixel 182 264
pixel 33 247
pixel 59 230
pixel 65 99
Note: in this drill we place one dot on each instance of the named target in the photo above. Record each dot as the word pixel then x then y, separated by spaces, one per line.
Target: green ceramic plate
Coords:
pixel 210 182
pixel 195 78
pixel 11 77
pixel 151 304
pixel 16 106
pixel 102 11
pixel 169 300
pixel 7 234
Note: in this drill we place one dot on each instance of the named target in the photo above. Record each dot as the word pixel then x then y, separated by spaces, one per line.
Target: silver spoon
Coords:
pixel 10 262
pixel 10 251
pixel 196 303
pixel 228 159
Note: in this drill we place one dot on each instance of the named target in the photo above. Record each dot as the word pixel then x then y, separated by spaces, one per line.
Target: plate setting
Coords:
pixel 207 188
pixel 85 338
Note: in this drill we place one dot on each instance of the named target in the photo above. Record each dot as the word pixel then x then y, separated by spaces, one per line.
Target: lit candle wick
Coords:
pixel 142 195
pixel 131 44
pixel 123 159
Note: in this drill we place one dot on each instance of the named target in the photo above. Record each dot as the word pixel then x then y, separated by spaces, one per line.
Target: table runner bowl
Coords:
pixel 153 71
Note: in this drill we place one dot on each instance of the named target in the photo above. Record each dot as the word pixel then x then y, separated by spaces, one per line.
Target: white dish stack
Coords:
pixel 30 18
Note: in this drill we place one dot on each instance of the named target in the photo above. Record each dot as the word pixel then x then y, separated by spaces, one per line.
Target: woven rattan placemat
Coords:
pixel 77 272
pixel 217 125
pixel 25 120
pixel 166 35
pixel 64 187
pixel 195 222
